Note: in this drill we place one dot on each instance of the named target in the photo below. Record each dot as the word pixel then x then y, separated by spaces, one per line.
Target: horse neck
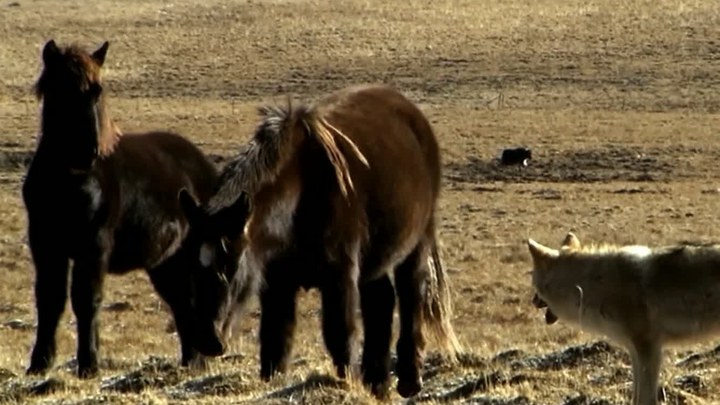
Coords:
pixel 258 166
pixel 270 226
pixel 61 146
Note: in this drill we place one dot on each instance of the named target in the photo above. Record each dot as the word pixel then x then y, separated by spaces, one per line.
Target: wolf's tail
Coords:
pixel 438 304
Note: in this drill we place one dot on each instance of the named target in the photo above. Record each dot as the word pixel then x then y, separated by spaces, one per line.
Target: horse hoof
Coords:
pixel 212 349
pixel 267 376
pixel 36 370
pixel 40 362
pixel 408 389
pixel 381 391
pixel 87 372
pixel 269 370
pixel 199 363
pixel 196 361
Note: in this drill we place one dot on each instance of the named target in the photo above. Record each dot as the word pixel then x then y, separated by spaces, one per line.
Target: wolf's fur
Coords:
pixel 643 298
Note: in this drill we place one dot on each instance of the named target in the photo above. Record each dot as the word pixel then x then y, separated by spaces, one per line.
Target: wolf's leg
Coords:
pixel 635 375
pixel 648 368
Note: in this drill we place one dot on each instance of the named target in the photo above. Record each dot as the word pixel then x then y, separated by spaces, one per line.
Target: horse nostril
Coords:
pixel 210 343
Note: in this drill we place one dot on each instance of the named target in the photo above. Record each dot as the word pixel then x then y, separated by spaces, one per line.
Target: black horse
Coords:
pixel 107 203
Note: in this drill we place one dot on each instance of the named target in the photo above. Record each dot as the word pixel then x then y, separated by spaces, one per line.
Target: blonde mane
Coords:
pixel 274 143
pixel 325 133
pixel 110 136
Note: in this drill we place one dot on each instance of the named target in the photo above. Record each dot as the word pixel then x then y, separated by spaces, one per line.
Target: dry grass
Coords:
pixel 619 101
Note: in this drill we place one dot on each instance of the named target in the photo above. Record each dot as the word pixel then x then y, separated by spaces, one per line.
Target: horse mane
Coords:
pixel 78 67
pixel 109 139
pixel 260 160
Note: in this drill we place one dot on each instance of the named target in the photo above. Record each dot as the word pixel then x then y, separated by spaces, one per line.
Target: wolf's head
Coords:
pixel 543 259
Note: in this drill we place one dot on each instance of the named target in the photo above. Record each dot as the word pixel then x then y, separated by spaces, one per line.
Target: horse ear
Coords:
pixel 50 52
pixel 99 54
pixel 189 206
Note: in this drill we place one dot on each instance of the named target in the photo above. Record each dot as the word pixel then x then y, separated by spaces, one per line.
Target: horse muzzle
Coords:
pixel 210 344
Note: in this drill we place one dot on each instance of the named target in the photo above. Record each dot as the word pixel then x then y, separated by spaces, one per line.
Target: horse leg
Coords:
pixel 339 292
pixel 86 295
pixel 51 279
pixel 239 299
pixel 277 320
pixel 165 281
pixel 377 300
pixel 410 279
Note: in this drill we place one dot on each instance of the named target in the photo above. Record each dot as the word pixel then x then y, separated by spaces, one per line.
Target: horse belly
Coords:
pixel 393 237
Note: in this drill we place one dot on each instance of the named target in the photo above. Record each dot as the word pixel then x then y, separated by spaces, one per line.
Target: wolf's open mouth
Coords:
pixel 550 317
pixel 538 302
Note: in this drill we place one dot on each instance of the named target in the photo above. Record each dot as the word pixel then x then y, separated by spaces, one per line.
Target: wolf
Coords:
pixel 642 298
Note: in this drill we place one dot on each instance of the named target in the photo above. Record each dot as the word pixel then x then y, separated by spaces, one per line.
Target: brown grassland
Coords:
pixel 619 100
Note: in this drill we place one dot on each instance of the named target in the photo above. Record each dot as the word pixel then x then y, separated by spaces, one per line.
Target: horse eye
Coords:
pixel 95 90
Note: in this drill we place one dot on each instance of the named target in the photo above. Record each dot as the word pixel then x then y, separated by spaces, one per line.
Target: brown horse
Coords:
pixel 108 204
pixel 335 196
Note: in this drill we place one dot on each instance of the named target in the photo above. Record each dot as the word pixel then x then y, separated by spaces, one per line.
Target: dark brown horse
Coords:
pixel 101 202
pixel 337 196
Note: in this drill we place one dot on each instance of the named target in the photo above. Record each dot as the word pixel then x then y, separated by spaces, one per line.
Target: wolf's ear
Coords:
pixel 539 252
pixel 571 241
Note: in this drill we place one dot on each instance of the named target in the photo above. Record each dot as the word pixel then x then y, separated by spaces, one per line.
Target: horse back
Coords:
pixel 392 134
pixel 393 198
pixel 160 163
pixel 141 182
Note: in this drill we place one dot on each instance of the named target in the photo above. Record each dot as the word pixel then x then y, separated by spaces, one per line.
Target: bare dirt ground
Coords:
pixel 619 101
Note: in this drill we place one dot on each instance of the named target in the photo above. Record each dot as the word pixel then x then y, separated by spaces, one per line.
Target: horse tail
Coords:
pixel 438 308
